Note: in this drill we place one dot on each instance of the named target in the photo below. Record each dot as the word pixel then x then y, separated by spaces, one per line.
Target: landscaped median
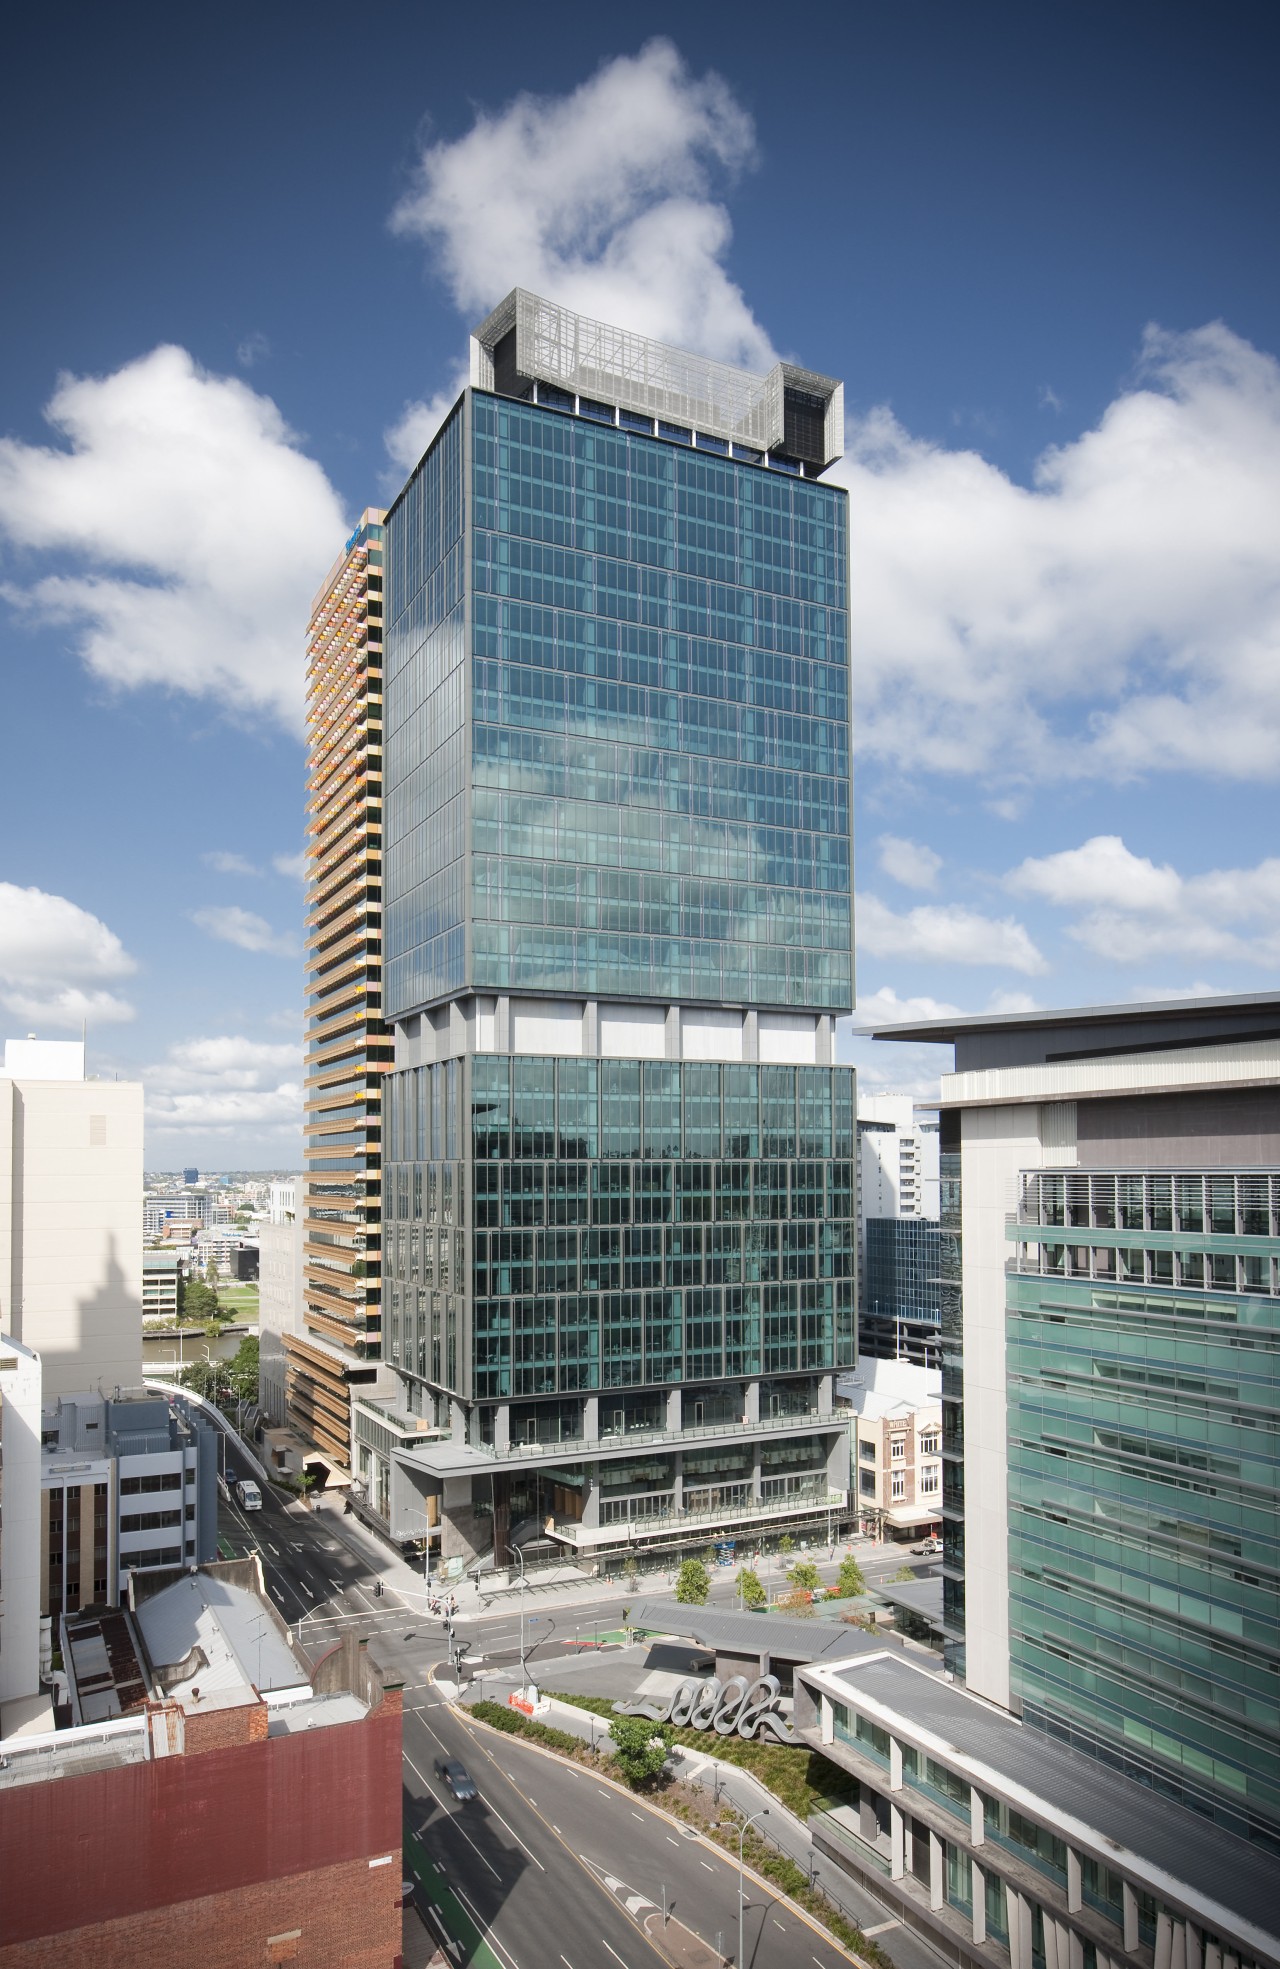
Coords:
pixel 787 1773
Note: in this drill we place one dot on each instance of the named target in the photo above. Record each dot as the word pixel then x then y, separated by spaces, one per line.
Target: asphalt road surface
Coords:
pixel 555 1868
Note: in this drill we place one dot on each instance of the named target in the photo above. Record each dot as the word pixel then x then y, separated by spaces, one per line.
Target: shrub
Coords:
pixel 640 1748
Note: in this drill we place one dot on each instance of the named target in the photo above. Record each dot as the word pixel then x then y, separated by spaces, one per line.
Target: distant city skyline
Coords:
pixel 1037 250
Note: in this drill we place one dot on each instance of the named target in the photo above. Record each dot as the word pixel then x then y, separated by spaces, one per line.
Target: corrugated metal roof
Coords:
pixel 229 1624
pixel 1189 1848
pixel 786 1637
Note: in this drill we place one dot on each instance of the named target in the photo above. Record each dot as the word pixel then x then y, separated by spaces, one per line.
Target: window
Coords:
pixel 898 1484
pixel 898 1449
pixel 959 1879
pixel 867 1451
pixel 930 1481
pixel 866 1483
pixel 136 1486
pixel 931 1444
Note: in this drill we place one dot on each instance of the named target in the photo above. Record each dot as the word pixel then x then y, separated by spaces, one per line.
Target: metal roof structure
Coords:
pixel 939 1031
pixel 239 1645
pixel 1188 1848
pixel 783 1637
pixel 616 366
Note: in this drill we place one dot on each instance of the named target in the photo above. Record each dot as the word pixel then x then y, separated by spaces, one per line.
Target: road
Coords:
pixel 526 1868
pixel 552 1860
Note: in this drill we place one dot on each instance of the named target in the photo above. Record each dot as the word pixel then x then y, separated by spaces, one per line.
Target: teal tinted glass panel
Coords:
pixel 660 741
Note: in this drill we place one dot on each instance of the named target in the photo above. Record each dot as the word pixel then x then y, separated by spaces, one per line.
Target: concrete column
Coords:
pixel 828 1720
pixel 673 1032
pixel 937 1884
pixel 591 1502
pixel 457 1421
pixel 1212 1955
pixel 591 1419
pixel 751 1402
pixel 1050 1931
pixel 675 1411
pixel 1130 1918
pixel 826 1388
pixel 826 1031
pixel 978 1894
pixel 1075 1951
pixel 897 1844
pixel 677 1501
pixel 502 1428
pixel 895 1764
pixel 751 1037
pixel 591 1028
pixel 1075 1891
pixel 977 1823
pixel 502 1024
pixel 757 1477
pixel 1195 1947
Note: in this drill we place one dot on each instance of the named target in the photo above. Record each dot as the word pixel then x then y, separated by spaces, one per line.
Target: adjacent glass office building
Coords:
pixel 619 1199
pixel 1144 1461
pixel 1111 1388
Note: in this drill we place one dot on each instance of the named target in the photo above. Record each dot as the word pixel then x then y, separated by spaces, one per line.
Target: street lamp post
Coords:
pixel 517 1553
pixel 727 1825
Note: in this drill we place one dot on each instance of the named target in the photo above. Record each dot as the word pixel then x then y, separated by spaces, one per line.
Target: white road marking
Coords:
pixel 613 1952
pixel 516 1836
pixel 707 1864
pixel 671 1841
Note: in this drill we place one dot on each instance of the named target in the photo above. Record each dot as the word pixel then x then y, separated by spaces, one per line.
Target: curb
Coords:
pixel 656 1811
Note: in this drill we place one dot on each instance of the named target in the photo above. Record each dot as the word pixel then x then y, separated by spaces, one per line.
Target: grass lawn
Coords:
pixel 799 1778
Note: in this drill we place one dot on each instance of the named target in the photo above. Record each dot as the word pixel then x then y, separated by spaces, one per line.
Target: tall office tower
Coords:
pixel 1111 1413
pixel 348 1048
pixel 898 1238
pixel 71 1217
pixel 619 1198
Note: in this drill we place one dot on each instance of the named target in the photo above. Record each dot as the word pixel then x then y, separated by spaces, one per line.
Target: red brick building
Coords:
pixel 193 1814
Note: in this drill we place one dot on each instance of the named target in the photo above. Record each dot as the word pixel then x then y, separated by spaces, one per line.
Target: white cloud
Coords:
pixel 603 199
pixel 56 960
pixel 1135 910
pixel 254 348
pixel 909 862
pixel 294 866
pixel 1120 616
pixel 1101 871
pixel 197 529
pixel 224 1086
pixel 417 424
pixel 224 863
pixel 242 928
pixel 946 933
pixel 885 1008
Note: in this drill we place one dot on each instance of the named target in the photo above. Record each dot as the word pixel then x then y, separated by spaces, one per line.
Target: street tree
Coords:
pixel 640 1747
pixel 806 1575
pixel 750 1588
pixel 849 1580
pixel 693 1583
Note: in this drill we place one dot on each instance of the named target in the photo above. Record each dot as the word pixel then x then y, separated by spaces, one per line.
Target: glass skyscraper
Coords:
pixel 619 1190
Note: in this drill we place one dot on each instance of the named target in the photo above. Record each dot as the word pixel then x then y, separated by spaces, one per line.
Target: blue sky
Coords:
pixel 1038 244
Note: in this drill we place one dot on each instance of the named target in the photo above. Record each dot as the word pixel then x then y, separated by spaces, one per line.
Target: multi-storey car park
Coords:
pixel 619 1177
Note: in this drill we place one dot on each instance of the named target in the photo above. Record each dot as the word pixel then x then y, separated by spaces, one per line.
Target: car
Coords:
pixel 453 1772
pixel 927 1548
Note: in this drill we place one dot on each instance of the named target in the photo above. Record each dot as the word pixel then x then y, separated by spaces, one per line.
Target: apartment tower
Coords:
pixel 348 1049
pixel 619 1202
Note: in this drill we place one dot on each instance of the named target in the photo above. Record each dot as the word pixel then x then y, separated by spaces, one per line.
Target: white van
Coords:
pixel 248 1496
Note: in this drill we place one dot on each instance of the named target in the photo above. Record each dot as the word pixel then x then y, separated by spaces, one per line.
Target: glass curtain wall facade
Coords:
pixel 618 920
pixel 900 1317
pixel 1144 1458
pixel 348 1047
